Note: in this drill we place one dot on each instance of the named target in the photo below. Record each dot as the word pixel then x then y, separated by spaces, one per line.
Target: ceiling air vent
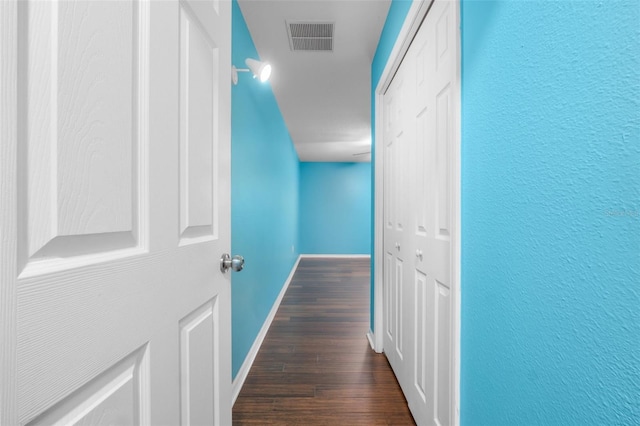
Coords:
pixel 310 36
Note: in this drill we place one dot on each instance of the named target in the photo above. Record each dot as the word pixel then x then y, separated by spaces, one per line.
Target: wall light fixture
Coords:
pixel 260 70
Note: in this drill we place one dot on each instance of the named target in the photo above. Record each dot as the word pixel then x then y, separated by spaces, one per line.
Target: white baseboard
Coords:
pixel 371 337
pixel 336 256
pixel 238 382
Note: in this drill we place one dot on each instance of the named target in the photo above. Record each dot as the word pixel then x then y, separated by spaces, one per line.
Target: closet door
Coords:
pixel 434 50
pixel 419 216
pixel 398 132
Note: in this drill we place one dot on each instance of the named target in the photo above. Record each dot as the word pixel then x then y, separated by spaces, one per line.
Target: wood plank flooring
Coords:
pixel 315 366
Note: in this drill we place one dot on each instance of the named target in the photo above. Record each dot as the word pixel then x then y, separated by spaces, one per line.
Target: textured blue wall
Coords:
pixel 395 19
pixel 335 208
pixel 550 210
pixel 264 198
pixel 550 213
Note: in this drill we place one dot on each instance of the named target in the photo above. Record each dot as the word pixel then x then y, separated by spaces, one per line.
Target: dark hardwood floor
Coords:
pixel 315 366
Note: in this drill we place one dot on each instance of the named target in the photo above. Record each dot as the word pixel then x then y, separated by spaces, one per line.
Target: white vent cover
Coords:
pixel 310 36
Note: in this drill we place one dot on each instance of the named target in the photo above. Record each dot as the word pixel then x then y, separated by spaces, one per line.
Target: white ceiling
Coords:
pixel 324 97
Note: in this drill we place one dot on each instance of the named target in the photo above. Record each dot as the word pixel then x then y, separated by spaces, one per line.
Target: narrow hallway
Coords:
pixel 315 365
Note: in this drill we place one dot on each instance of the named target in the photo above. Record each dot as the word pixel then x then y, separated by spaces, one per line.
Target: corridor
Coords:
pixel 315 366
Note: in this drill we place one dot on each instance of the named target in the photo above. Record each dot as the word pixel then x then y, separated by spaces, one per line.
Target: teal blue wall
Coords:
pixel 335 208
pixel 550 213
pixel 395 19
pixel 550 210
pixel 264 198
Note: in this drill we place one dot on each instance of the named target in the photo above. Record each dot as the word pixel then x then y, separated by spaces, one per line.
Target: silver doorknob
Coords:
pixel 419 254
pixel 398 246
pixel 226 262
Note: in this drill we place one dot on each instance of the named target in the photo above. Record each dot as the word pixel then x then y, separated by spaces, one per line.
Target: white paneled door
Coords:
pixel 420 172
pixel 398 133
pixel 114 121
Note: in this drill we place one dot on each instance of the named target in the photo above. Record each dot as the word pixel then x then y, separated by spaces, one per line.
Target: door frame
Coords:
pixel 415 16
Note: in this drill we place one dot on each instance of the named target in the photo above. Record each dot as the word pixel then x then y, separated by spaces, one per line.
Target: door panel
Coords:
pixel 80 67
pixel 119 396
pixel 199 364
pixel 117 162
pixel 423 376
pixel 398 308
pixel 442 354
pixel 443 173
pixel 198 92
